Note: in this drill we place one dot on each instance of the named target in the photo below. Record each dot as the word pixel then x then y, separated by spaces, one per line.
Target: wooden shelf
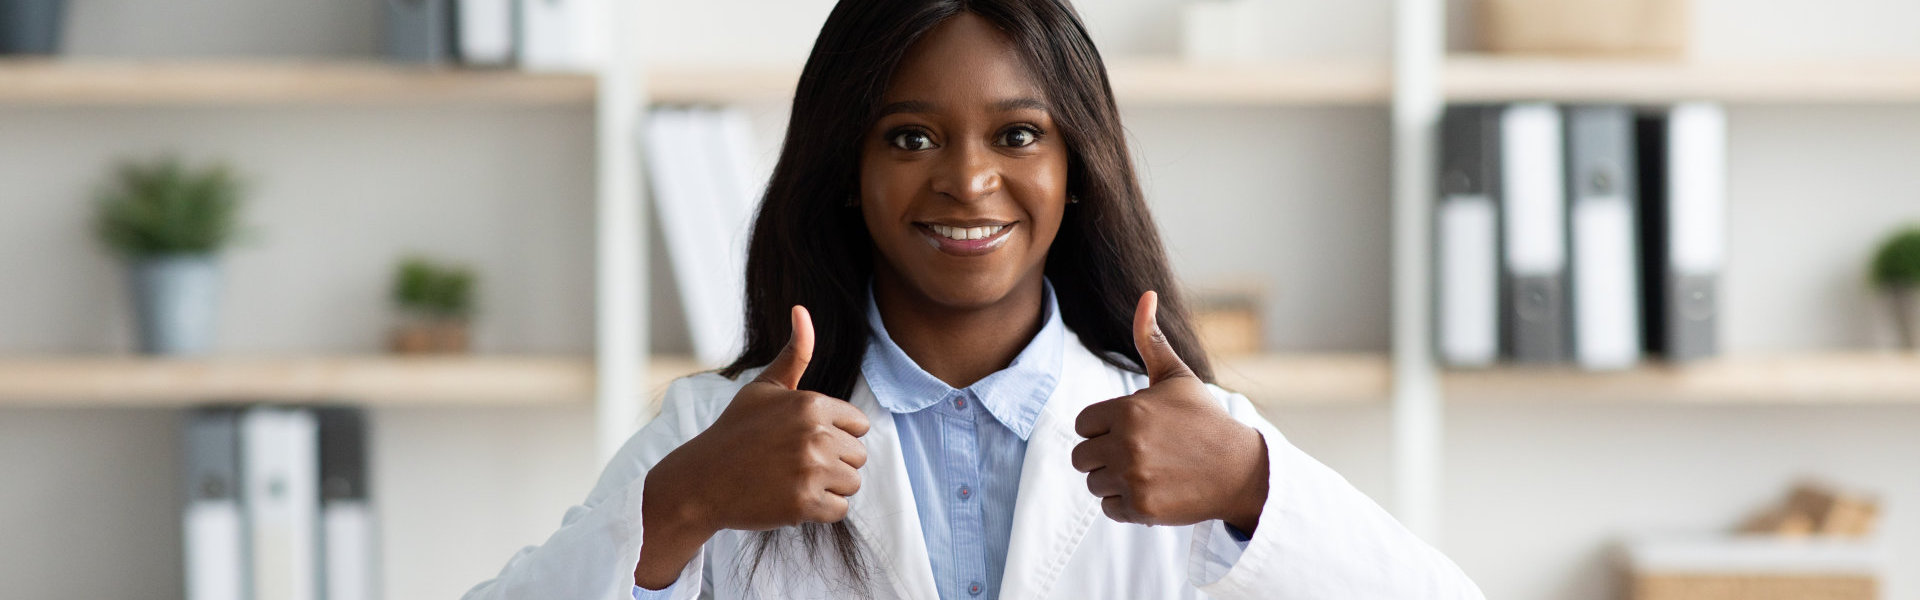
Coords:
pixel 193 83
pixel 1861 377
pixel 1271 381
pixel 1136 83
pixel 367 380
pixel 1481 78
pixel 1297 380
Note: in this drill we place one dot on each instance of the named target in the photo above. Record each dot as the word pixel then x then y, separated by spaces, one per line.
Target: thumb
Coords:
pixel 786 369
pixel 1156 354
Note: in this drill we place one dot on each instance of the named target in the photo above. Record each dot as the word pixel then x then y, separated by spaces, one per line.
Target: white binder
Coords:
pixel 1684 163
pixel 562 35
pixel 1467 238
pixel 212 526
pixel 697 160
pixel 280 470
pixel 1602 191
pixel 485 36
pixel 1534 230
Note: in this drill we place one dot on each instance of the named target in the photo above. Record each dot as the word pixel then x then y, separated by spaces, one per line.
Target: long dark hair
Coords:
pixel 810 248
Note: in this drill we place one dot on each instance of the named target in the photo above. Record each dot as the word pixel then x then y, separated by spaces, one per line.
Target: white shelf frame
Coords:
pixel 620 255
pixel 1417 406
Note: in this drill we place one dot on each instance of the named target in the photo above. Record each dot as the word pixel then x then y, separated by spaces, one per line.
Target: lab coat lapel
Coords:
pixel 1054 509
pixel 884 511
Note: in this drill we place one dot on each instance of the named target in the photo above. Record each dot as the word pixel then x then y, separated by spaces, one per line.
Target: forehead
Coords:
pixel 965 61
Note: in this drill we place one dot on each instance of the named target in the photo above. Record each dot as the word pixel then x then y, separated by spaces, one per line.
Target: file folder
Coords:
pixel 348 535
pixel 1601 191
pixel 213 528
pixel 1534 227
pixel 1683 227
pixel 1467 238
pixel 419 31
pixel 280 470
pixel 486 32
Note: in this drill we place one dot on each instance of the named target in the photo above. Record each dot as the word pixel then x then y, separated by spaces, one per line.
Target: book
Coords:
pixel 1534 231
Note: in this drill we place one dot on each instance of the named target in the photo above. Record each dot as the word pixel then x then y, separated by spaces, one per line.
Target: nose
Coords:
pixel 967 172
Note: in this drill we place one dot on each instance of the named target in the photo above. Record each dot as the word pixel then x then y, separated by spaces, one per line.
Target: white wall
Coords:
pixel 1534 491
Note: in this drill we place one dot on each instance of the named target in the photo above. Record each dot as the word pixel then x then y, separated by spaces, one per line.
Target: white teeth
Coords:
pixel 966 233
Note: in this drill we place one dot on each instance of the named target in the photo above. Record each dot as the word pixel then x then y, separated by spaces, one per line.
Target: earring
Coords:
pixel 1073 198
pixel 853 200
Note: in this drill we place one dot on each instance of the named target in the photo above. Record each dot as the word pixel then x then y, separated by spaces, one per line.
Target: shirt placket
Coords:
pixel 967 516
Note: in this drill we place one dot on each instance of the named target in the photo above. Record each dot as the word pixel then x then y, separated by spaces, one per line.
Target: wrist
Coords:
pixel 672 512
pixel 1250 497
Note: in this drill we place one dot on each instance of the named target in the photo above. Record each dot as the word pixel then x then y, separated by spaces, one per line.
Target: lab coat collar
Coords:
pixel 883 512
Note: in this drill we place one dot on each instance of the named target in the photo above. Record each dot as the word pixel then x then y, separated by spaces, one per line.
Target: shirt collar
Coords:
pixel 1013 395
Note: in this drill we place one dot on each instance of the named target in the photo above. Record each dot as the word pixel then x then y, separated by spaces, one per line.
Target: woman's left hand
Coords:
pixel 1170 454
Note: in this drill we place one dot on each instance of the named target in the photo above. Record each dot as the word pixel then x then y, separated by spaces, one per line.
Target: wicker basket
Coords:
pixel 1751 567
pixel 1713 586
pixel 1585 27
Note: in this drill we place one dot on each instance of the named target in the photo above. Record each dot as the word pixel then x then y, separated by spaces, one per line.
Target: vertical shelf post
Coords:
pixel 620 329
pixel 1419 45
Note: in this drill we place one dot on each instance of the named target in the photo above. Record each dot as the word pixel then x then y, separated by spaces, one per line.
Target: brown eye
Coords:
pixel 1019 137
pixel 911 140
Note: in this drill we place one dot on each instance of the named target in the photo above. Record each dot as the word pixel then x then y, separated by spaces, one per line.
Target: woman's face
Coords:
pixel 963 178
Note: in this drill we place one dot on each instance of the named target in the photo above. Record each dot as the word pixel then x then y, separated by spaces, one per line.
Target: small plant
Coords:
pixel 1897 264
pixel 434 290
pixel 165 207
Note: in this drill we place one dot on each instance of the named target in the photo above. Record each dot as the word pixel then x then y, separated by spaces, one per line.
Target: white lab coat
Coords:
pixel 1319 538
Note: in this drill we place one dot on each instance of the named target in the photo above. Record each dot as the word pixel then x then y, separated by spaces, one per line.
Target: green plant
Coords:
pixel 440 291
pixel 1897 264
pixel 163 206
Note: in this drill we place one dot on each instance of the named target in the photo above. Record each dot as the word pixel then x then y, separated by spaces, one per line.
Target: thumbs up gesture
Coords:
pixel 777 456
pixel 1170 454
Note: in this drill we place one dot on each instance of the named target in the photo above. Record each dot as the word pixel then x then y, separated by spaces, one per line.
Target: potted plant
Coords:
pixel 169 222
pixel 436 306
pixel 1896 270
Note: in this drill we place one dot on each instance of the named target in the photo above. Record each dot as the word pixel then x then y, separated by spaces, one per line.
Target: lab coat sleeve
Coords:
pixel 593 554
pixel 1319 537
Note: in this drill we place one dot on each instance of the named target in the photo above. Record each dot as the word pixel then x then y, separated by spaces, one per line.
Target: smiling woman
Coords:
pixel 968 372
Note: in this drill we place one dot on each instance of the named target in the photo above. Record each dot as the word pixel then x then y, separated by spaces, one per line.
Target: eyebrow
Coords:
pixel 918 106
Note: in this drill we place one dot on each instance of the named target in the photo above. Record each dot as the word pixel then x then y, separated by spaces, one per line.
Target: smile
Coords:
pixel 973 240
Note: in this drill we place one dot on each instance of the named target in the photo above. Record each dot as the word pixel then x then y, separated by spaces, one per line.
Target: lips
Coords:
pixel 966 238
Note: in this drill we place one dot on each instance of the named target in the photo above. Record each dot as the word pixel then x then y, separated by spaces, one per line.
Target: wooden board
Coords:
pixel 81 82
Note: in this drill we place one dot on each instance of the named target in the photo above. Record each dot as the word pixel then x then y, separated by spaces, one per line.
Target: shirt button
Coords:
pixel 974 589
pixel 965 492
pixel 960 403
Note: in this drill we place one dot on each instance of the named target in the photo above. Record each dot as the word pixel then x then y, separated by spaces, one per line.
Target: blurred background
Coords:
pixel 329 269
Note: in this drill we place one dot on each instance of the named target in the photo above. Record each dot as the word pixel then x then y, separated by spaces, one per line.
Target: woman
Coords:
pixel 959 381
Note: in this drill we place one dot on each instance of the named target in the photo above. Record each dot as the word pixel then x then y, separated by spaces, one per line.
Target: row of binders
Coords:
pixel 1586 234
pixel 550 35
pixel 706 186
pixel 277 505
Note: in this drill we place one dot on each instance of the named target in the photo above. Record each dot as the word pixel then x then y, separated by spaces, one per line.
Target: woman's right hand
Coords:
pixel 776 457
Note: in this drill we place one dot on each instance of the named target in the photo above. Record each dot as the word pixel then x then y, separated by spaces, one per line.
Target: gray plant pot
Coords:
pixel 1905 301
pixel 31 26
pixel 176 303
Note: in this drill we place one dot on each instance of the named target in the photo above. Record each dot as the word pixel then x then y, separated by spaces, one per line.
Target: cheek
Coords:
pixel 1043 195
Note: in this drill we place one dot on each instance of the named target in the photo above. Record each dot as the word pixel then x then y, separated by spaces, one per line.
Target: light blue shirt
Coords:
pixel 964 448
